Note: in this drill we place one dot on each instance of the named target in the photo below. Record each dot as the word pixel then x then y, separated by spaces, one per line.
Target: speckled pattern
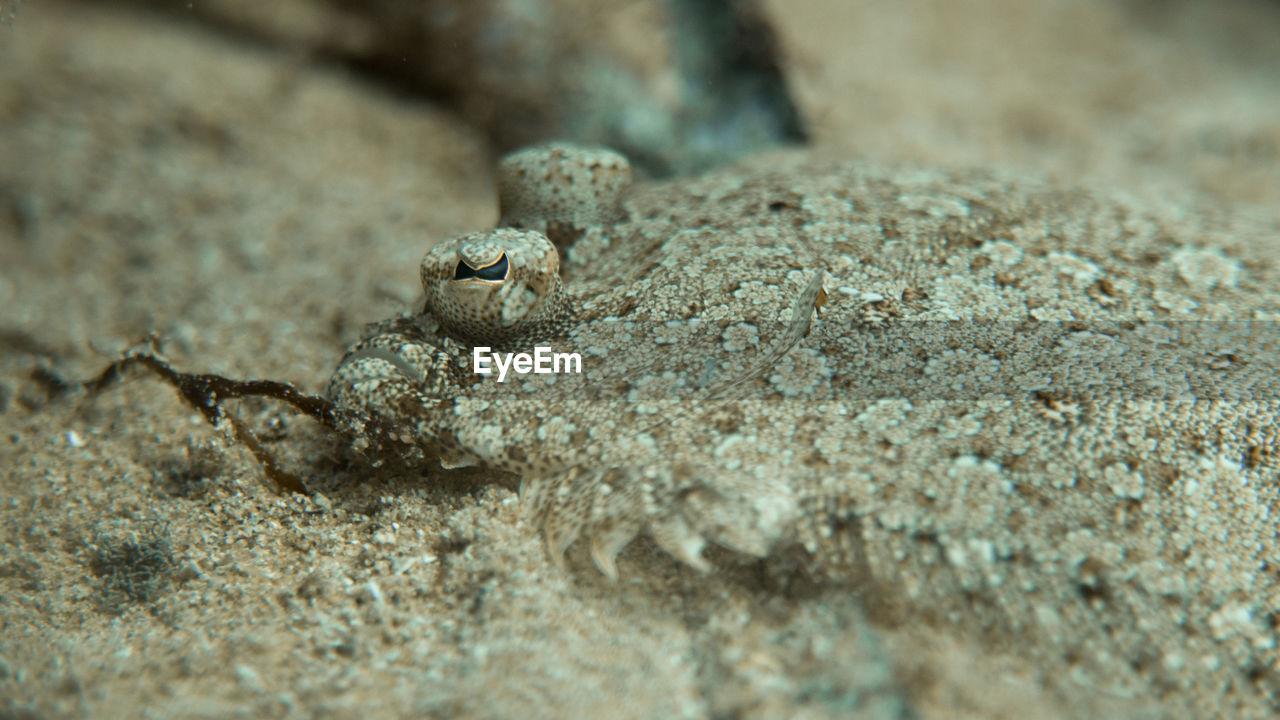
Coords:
pixel 256 205
pixel 1048 411
pixel 562 190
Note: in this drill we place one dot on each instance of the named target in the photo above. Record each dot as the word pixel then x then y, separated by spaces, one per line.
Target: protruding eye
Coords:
pixel 497 272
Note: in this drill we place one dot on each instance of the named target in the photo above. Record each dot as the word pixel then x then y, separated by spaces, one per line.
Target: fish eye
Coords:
pixel 497 272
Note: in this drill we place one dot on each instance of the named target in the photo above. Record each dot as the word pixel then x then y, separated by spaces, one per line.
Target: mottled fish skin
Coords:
pixel 1019 403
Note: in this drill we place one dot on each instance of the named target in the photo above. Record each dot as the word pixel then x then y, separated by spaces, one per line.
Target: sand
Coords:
pixel 254 206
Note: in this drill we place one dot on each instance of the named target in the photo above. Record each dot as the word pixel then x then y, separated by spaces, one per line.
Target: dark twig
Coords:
pixel 205 393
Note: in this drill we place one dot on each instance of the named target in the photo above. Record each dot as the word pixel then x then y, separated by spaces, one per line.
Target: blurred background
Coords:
pixel 1058 86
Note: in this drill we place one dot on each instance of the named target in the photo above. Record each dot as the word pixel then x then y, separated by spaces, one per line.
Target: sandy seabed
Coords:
pixel 255 210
